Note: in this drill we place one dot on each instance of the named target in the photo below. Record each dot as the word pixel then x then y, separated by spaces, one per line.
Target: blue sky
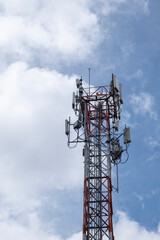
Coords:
pixel 44 47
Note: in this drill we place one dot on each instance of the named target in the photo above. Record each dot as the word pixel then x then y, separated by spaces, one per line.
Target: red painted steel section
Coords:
pixel 108 111
pixel 106 208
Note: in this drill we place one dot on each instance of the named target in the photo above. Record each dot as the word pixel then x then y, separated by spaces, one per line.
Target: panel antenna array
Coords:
pixel 98 112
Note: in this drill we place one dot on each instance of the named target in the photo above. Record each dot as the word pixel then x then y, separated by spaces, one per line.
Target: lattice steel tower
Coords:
pixel 98 111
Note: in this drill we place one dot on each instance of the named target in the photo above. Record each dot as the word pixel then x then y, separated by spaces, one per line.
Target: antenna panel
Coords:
pixel 73 100
pixel 117 125
pixel 115 83
pixel 127 135
pixel 66 127
pixel 120 93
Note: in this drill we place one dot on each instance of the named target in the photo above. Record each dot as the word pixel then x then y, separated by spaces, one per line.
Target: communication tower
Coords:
pixel 98 112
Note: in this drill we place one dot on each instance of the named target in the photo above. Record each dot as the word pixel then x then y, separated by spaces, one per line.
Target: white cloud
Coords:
pixel 143 104
pixel 126 119
pixel 136 75
pixel 12 229
pixel 154 155
pixel 133 7
pixel 138 196
pixel 58 29
pixel 142 4
pixel 33 149
pixel 76 236
pixel 153 141
pixel 35 159
pixel 127 49
pixel 126 229
pixel 48 32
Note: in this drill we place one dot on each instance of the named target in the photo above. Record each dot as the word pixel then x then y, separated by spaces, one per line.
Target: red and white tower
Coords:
pixel 98 110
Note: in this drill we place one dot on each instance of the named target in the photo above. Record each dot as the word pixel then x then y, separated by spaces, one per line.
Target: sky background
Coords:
pixel 44 47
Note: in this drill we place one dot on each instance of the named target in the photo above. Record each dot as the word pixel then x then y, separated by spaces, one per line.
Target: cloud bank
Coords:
pixel 33 105
pixel 127 229
pixel 144 104
pixel 47 32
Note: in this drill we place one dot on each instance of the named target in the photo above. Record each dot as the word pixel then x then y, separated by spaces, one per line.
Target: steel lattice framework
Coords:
pixel 98 110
